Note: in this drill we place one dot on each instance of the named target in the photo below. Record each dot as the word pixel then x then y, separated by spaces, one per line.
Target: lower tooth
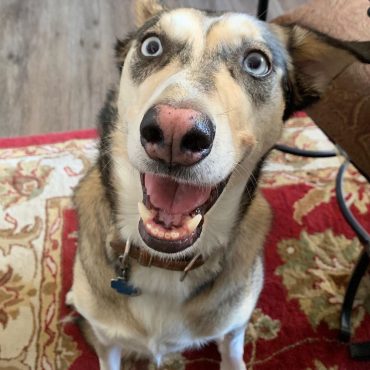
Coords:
pixel 155 231
pixel 167 235
pixel 161 234
pixel 175 235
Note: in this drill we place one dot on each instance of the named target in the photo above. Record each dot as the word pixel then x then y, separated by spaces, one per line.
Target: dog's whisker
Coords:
pixel 226 112
pixel 116 126
pixel 122 129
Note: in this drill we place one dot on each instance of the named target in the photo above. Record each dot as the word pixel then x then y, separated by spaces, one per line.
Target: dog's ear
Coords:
pixel 316 59
pixel 145 9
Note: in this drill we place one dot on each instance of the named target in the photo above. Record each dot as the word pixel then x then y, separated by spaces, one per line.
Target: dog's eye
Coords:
pixel 151 47
pixel 256 64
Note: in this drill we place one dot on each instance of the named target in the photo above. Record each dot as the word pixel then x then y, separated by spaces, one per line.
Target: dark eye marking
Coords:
pixel 155 51
pixel 251 64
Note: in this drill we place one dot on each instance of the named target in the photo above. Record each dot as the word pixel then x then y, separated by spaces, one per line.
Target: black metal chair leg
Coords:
pixel 262 9
pixel 360 351
pixel 345 316
pixel 357 228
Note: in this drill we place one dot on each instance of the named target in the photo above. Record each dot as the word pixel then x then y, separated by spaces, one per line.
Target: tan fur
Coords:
pixel 96 231
pixel 209 308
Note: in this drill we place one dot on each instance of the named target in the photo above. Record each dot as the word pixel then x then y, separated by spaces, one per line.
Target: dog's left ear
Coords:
pixel 316 59
pixel 146 9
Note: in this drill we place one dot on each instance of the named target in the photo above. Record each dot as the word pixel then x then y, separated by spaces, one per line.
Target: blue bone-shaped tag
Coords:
pixel 123 287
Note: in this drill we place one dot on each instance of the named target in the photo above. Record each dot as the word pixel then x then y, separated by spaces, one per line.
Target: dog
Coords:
pixel 172 224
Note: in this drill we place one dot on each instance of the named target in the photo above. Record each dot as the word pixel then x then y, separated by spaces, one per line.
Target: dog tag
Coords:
pixel 123 287
pixel 120 283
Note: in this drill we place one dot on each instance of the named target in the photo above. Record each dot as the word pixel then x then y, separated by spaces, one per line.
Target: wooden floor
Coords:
pixel 56 59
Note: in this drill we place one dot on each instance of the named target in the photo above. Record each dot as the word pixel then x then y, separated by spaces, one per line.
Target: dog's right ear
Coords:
pixel 315 60
pixel 145 9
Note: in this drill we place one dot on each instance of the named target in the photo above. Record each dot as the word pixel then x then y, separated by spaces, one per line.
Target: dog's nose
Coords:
pixel 176 136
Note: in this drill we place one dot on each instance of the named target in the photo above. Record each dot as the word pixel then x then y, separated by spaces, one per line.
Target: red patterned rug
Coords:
pixel 310 253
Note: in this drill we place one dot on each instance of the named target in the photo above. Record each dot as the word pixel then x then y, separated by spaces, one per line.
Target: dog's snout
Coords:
pixel 177 136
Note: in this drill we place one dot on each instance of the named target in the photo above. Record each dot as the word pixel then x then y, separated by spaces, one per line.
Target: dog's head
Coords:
pixel 202 98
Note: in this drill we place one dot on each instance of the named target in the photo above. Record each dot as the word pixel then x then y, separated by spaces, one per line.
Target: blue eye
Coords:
pixel 256 64
pixel 152 47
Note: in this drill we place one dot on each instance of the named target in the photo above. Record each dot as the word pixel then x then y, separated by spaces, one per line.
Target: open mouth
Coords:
pixel 172 213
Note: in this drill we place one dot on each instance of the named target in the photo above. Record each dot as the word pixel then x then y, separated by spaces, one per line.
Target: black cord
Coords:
pixel 357 228
pixel 359 351
pixel 262 9
pixel 306 153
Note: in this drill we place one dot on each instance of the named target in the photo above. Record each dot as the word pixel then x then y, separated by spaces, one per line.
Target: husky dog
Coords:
pixel 172 225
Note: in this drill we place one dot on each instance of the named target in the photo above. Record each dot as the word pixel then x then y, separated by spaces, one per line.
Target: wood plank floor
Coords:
pixel 56 58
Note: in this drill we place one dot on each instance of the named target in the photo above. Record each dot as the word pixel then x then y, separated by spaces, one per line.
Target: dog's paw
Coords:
pixel 69 298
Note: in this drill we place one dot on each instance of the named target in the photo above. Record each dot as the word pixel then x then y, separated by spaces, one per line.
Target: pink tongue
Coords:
pixel 173 197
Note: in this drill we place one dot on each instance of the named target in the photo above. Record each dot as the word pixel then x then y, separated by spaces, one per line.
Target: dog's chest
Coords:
pixel 163 323
pixel 159 311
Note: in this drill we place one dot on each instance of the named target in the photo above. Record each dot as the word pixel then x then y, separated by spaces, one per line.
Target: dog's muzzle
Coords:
pixel 172 212
pixel 176 136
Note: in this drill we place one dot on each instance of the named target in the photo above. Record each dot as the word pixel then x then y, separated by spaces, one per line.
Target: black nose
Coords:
pixel 150 132
pixel 200 137
pixel 180 136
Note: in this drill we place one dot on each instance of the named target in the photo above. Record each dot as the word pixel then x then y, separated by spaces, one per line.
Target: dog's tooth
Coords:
pixel 161 234
pixel 167 235
pixel 175 235
pixel 144 212
pixel 193 223
pixel 155 231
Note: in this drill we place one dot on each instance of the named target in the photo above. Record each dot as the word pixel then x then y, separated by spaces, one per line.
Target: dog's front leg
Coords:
pixel 109 357
pixel 109 354
pixel 231 348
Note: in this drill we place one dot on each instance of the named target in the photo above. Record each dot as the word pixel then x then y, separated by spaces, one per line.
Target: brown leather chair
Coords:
pixel 343 113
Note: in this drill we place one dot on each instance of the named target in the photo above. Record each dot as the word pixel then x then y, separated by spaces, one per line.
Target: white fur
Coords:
pixel 181 25
pixel 231 349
